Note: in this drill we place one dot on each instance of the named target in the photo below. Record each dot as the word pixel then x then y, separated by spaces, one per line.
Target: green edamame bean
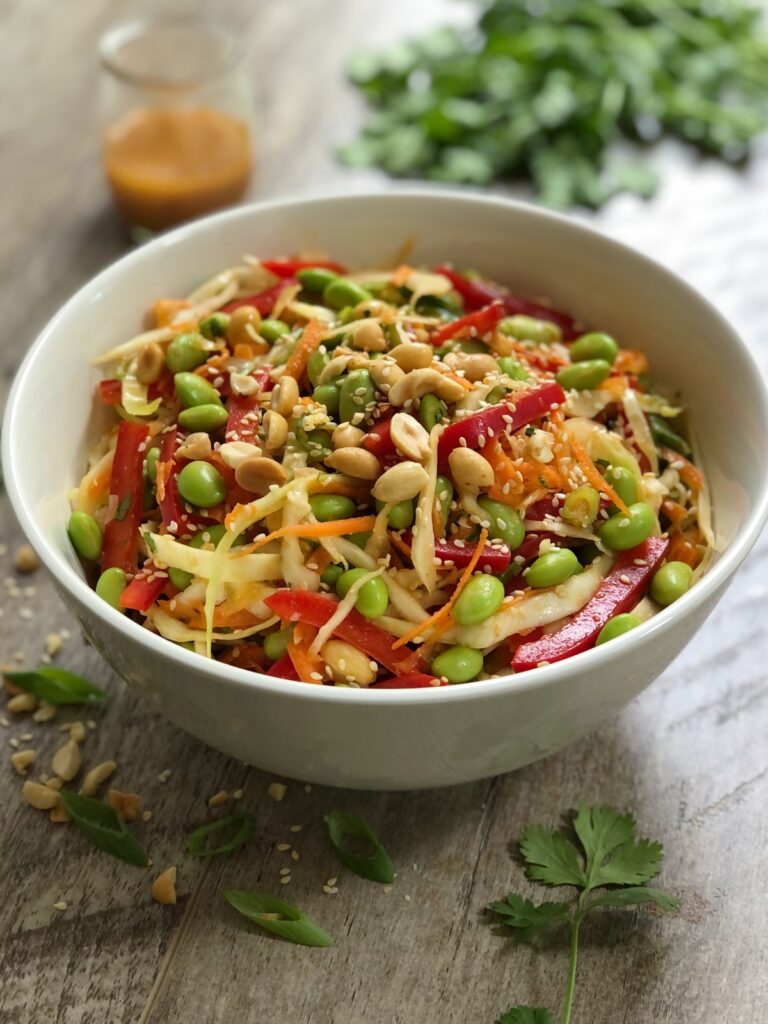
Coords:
pixel 665 436
pixel 150 463
pixel 581 506
pixel 459 664
pixel 372 598
pixel 185 352
pixel 479 599
pixel 180 578
pixel 85 534
pixel 495 396
pixel 512 368
pixel 400 515
pixel 552 568
pixel 330 576
pixel 505 523
pixel 583 376
pixel 360 539
pixel 328 507
pixel 356 392
pixel 443 499
pixel 276 644
pixel 341 292
pixel 327 395
pixel 528 328
pixel 671 581
pixel 317 444
pixel 214 326
pixel 207 418
pixel 110 586
pixel 201 484
pixel 624 482
pixel 271 330
pixel 595 345
pixel 316 364
pixel 617 626
pixel 316 279
pixel 431 411
pixel 627 530
pixel 193 390
pixel 346 316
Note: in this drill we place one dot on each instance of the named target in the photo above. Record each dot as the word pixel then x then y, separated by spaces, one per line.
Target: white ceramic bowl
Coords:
pixel 394 739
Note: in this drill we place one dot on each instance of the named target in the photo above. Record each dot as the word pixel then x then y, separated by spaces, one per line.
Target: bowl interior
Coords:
pixel 693 352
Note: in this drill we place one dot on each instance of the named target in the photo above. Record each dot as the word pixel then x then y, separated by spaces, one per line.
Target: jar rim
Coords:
pixel 114 42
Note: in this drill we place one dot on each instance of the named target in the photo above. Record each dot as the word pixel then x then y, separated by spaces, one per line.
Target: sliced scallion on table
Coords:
pixel 56 685
pixel 237 827
pixel 273 915
pixel 374 864
pixel 103 828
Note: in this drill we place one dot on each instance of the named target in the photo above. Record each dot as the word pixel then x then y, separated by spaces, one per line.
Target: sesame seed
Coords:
pixel 296 828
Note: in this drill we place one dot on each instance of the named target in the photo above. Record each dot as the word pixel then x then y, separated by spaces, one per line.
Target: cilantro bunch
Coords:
pixel 545 90
pixel 611 860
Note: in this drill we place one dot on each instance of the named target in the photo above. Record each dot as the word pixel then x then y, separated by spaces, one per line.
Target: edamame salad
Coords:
pixel 397 478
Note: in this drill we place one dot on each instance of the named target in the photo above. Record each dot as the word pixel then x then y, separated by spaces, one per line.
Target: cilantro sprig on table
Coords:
pixel 546 91
pixel 609 858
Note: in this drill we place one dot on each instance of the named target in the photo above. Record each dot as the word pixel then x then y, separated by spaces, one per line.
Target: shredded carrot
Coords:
pixel 399 544
pixel 319 560
pixel 682 548
pixel 164 310
pixel 467 385
pixel 594 476
pixel 164 470
pixel 401 274
pixel 674 511
pixel 249 349
pixel 216 362
pixel 441 613
pixel 98 485
pixel 310 339
pixel 615 386
pixel 337 528
pixel 631 360
pixel 333 486
pixel 689 474
pixel 307 665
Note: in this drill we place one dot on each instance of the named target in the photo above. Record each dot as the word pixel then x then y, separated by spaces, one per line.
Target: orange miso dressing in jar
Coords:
pixel 167 165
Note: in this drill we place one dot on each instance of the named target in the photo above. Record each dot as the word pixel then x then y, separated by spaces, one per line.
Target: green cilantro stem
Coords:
pixel 573 959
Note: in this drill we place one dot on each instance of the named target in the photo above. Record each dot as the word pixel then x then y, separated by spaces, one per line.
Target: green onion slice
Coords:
pixel 56 685
pixel 240 822
pixel 273 915
pixel 375 865
pixel 102 827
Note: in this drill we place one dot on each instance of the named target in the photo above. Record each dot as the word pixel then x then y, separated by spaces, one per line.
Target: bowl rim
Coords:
pixel 595 659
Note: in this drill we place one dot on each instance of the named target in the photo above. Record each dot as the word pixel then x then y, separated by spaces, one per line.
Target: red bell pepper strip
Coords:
pixel 110 391
pixel 621 589
pixel 172 507
pixel 126 490
pixel 366 636
pixel 413 681
pixel 263 301
pixel 379 440
pixel 289 268
pixel 244 419
pixel 142 592
pixel 475 324
pixel 505 417
pixel 480 293
pixel 493 559
pixel 283 669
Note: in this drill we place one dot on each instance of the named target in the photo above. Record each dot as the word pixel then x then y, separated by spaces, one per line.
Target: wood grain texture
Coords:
pixel 689 757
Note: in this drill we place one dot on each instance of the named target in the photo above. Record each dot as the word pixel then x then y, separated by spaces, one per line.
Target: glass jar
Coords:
pixel 177 117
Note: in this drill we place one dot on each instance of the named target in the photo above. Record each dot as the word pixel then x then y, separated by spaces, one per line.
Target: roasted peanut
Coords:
pixel 94 778
pixel 234 453
pixel 475 367
pixel 347 436
pixel 257 474
pixel 285 395
pixel 195 446
pixel 41 797
pixel 243 326
pixel 369 336
pixel 385 374
pixel 66 761
pixel 347 664
pixel 150 364
pixel 356 462
pixel 275 430
pixel 470 471
pixel 243 383
pixel 414 355
pixel 424 382
pixel 411 439
pixel 164 887
pixel 400 482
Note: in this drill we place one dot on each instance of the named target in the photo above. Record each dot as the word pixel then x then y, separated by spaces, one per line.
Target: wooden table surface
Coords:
pixel 690 756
